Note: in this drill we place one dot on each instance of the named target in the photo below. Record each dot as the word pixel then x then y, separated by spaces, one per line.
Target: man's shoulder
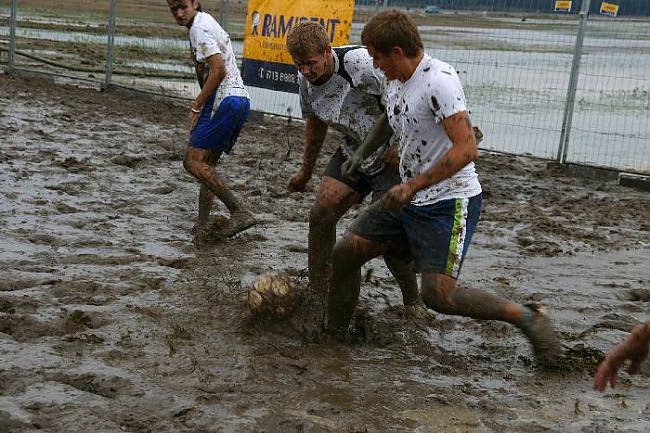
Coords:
pixel 205 21
pixel 351 53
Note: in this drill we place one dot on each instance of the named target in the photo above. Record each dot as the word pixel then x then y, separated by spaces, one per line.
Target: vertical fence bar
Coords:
pixel 223 15
pixel 569 106
pixel 110 44
pixel 12 34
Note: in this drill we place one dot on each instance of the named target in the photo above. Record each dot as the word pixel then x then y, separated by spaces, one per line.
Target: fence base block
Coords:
pixel 595 173
pixel 637 181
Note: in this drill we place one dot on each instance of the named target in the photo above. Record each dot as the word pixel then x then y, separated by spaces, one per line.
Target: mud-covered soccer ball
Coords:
pixel 273 295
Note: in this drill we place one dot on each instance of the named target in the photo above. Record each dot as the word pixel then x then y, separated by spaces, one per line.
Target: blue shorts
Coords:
pixel 220 131
pixel 435 236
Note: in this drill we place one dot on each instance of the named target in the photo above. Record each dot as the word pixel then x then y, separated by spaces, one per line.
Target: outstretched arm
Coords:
pixel 315 131
pixel 634 348
pixel 378 135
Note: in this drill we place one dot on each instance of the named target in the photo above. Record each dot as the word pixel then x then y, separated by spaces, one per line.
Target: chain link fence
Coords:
pixel 532 86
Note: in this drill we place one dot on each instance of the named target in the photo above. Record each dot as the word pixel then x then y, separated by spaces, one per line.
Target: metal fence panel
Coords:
pixel 515 73
pixel 611 119
pixel 514 60
pixel 68 38
pixel 5 14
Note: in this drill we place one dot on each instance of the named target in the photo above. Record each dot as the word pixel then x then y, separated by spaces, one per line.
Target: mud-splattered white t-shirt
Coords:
pixel 207 38
pixel 349 101
pixel 415 111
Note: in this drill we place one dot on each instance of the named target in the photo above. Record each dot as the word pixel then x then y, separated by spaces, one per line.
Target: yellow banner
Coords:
pixel 609 9
pixel 269 21
pixel 562 6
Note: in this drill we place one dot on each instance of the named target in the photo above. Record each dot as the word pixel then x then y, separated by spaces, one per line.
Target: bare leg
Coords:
pixel 404 273
pixel 350 253
pixel 440 293
pixel 333 199
pixel 206 197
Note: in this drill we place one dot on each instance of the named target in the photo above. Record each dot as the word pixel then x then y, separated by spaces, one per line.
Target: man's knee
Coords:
pixel 343 249
pixel 323 214
pixel 437 291
pixel 191 165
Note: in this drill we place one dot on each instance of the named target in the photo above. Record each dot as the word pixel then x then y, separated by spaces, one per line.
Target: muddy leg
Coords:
pixel 350 253
pixel 404 273
pixel 333 199
pixel 206 197
pixel 440 293
pixel 201 164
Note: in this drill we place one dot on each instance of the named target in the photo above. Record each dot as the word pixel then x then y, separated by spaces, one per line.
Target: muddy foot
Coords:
pixel 542 337
pixel 239 222
pixel 206 236
pixel 418 312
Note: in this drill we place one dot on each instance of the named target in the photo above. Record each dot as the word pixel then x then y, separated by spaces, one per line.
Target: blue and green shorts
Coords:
pixel 435 236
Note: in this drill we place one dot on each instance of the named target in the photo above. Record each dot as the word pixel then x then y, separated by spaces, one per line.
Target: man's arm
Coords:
pixel 464 150
pixel 378 135
pixel 634 348
pixel 215 76
pixel 315 131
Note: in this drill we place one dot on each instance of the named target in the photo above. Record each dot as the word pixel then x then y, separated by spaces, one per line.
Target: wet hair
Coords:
pixel 198 8
pixel 306 39
pixel 393 28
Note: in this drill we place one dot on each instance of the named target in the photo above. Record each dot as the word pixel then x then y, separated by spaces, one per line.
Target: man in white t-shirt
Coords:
pixel 432 214
pixel 216 116
pixel 340 89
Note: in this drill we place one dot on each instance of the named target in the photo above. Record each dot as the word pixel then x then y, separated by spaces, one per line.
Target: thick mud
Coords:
pixel 112 320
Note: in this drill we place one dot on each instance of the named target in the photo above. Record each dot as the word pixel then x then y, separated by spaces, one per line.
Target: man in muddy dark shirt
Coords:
pixel 339 88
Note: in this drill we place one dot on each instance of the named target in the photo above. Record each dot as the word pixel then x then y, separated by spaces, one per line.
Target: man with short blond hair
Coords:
pixel 340 88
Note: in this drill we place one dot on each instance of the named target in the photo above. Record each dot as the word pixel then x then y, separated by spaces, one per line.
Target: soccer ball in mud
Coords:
pixel 273 295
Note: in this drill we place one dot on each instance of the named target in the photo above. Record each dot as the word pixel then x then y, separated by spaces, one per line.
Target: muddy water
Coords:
pixel 111 320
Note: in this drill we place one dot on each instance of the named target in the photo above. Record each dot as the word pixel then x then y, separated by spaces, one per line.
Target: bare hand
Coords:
pixel 391 158
pixel 397 197
pixel 478 134
pixel 350 167
pixel 192 118
pixel 633 348
pixel 298 181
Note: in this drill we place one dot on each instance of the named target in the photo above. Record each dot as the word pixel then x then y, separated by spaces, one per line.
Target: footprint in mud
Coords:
pixel 73 165
pixel 109 387
pixel 613 321
pixel 129 161
pixel 9 282
pixel 64 208
pixel 24 328
pixel 7 306
pixel 639 295
pixel 76 321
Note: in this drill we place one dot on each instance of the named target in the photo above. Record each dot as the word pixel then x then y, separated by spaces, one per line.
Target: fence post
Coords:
pixel 12 34
pixel 569 105
pixel 111 44
pixel 223 15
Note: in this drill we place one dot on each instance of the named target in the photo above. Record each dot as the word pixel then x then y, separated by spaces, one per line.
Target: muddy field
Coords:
pixel 111 320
